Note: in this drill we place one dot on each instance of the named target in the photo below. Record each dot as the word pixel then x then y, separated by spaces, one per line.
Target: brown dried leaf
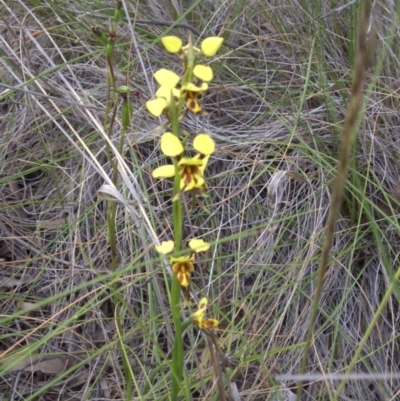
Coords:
pixel 50 366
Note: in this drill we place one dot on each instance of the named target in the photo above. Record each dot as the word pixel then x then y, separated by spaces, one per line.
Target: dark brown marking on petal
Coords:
pixel 192 105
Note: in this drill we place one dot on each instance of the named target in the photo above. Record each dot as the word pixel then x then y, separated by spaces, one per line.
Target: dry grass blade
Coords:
pixel 365 49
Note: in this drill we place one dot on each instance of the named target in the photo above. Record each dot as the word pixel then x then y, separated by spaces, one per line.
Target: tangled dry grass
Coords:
pixel 276 111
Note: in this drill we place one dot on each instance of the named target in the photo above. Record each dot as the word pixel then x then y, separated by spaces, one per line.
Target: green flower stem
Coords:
pixel 125 359
pixel 100 35
pixel 112 103
pixel 191 59
pixel 177 218
pixel 111 207
pixel 177 350
pixel 126 117
pixel 117 13
pixel 176 200
pixel 185 324
pixel 187 77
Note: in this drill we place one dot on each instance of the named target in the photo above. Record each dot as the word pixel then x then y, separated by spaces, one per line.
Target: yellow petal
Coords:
pixel 193 105
pixel 204 164
pixel 156 106
pixel 198 245
pixel 199 182
pixel 209 323
pixel 165 247
pixel 210 46
pixel 203 303
pixel 171 145
pixel 167 171
pixel 204 144
pixel 190 161
pixel 183 279
pixel 186 302
pixel 166 78
pixel 172 44
pixel 198 315
pixel 203 72
pixel 166 91
pixel 182 260
pixel 191 87
pixel 188 185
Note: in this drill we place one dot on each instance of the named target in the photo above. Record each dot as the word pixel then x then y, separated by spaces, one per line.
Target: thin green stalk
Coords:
pixel 177 218
pixel 112 206
pixel 125 360
pixel 177 352
pixel 176 199
pixel 112 102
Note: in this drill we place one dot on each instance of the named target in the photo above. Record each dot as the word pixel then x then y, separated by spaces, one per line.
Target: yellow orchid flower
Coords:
pixel 198 317
pixel 191 169
pixel 209 46
pixel 191 93
pixel 183 266
pixel 193 104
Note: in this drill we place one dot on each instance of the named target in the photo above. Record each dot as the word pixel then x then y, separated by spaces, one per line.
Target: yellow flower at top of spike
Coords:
pixel 209 46
pixel 190 169
pixel 183 266
pixel 198 317
pixel 170 82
